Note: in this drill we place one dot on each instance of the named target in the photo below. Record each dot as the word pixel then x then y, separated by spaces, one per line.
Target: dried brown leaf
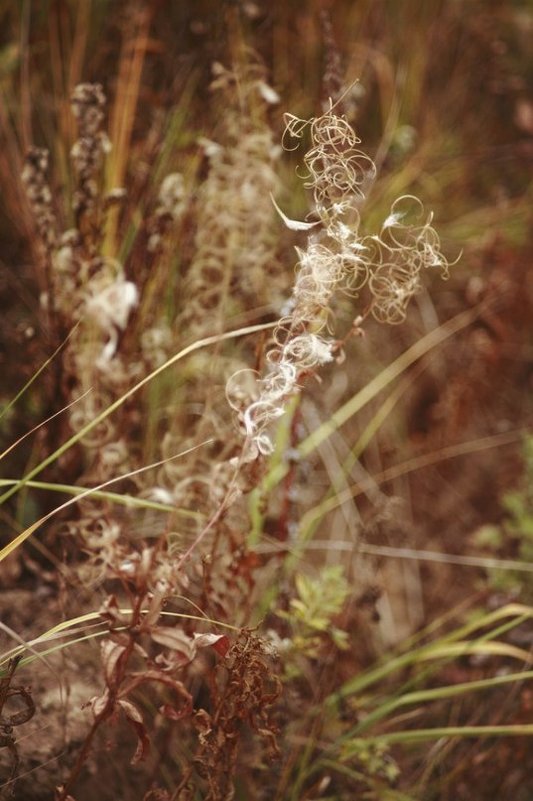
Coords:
pixel 135 719
pixel 111 654
pixel 176 640
pixel 98 703
pixel 110 610
pixel 220 642
pixel 183 705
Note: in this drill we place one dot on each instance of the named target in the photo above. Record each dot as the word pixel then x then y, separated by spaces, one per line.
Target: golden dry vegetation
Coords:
pixel 266 346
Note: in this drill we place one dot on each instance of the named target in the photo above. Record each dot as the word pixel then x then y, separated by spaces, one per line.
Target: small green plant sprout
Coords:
pixel 371 758
pixel 311 614
pixel 514 535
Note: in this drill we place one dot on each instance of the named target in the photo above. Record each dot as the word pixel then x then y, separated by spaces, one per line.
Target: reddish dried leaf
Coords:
pixel 110 610
pixel 140 650
pixel 220 642
pixel 135 719
pixel 111 654
pixel 181 708
pixel 98 703
pixel 175 640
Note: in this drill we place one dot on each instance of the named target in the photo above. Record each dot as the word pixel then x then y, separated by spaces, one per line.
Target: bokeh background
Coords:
pixel 441 95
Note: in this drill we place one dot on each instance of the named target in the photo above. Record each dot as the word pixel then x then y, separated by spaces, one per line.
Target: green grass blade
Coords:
pixel 422 735
pixel 20 538
pixel 36 375
pixel 448 646
pixel 435 694
pixel 377 385
pixel 112 497
pixel 202 343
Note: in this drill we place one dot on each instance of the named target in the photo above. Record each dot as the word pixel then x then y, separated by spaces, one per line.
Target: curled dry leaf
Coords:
pixel 184 648
pixel 135 719
pixel 18 718
pixel 220 642
pixel 183 704
pixel 99 703
pixel 111 654
pixel 177 641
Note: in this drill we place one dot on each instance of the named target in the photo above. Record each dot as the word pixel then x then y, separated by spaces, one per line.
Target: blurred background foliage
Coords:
pixel 441 94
